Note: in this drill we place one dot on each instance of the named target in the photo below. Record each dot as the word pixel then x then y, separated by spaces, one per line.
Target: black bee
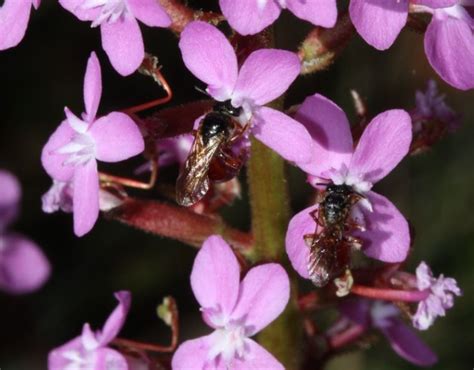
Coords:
pixel 211 157
pixel 329 249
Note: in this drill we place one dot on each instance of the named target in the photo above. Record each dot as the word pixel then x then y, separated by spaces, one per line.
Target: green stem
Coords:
pixel 270 215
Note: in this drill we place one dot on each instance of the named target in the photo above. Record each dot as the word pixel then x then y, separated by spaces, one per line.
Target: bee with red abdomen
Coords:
pixel 211 157
pixel 330 248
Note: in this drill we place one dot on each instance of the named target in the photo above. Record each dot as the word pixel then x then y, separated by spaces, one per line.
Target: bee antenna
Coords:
pixel 322 184
pixel 202 91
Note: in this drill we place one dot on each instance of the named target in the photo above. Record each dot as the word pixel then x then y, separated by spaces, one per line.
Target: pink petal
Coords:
pixel 246 17
pixel 86 197
pixel 384 143
pixel 53 162
pixel 387 237
pixel 76 8
pixel 449 46
pixel 56 358
pixel 117 318
pixel 318 12
pixel 331 133
pixel 436 3
pixel 283 134
pixel 10 194
pixel 406 343
pixel 265 75
pixel 149 12
pixel 36 3
pixel 298 252
pixel 192 354
pixel 264 294
pixel 123 43
pixel 23 266
pixel 88 337
pixel 209 56
pixel 379 21
pixel 256 358
pixel 92 87
pixel 117 137
pixel 14 16
pixel 11 189
pixel 215 277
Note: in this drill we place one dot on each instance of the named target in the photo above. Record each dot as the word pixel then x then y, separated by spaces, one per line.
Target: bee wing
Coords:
pixel 322 260
pixel 193 180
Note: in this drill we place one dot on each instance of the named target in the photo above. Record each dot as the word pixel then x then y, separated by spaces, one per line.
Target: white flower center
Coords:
pixel 76 361
pixel 110 10
pixel 81 149
pixel 344 176
pixel 229 343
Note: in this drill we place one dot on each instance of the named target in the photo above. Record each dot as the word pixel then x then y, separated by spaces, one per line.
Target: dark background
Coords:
pixel 45 73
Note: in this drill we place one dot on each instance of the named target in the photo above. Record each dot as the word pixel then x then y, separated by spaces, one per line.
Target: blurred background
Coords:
pixel 435 190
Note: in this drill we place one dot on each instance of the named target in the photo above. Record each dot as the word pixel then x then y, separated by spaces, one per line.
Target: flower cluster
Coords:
pixel 342 163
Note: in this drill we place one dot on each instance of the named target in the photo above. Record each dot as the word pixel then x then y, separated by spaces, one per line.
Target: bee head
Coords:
pixel 227 108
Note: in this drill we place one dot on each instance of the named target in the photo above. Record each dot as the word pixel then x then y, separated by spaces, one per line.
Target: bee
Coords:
pixel 211 157
pixel 330 248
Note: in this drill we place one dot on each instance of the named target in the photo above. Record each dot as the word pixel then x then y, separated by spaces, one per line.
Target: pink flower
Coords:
pixel 23 266
pixel 449 39
pixel 14 16
pixel 386 318
pixel 385 141
pixel 235 310
pixel 121 36
pixel 431 105
pixel 72 151
pixel 249 17
pixel 441 298
pixel 263 77
pixel 90 350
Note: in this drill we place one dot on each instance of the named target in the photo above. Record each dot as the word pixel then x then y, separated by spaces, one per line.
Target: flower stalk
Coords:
pixel 270 213
pixel 395 295
pixel 178 223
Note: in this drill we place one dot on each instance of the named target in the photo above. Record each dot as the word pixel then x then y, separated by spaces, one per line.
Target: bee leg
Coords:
pixel 111 180
pixel 150 67
pixel 316 217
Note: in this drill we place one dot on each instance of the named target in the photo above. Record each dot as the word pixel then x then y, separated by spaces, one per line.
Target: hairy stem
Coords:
pixel 270 216
pixel 178 223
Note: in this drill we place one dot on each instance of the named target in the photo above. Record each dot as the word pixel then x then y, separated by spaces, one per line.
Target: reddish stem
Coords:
pixel 180 14
pixel 133 344
pixel 309 301
pixel 346 337
pixel 178 223
pixel 390 294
